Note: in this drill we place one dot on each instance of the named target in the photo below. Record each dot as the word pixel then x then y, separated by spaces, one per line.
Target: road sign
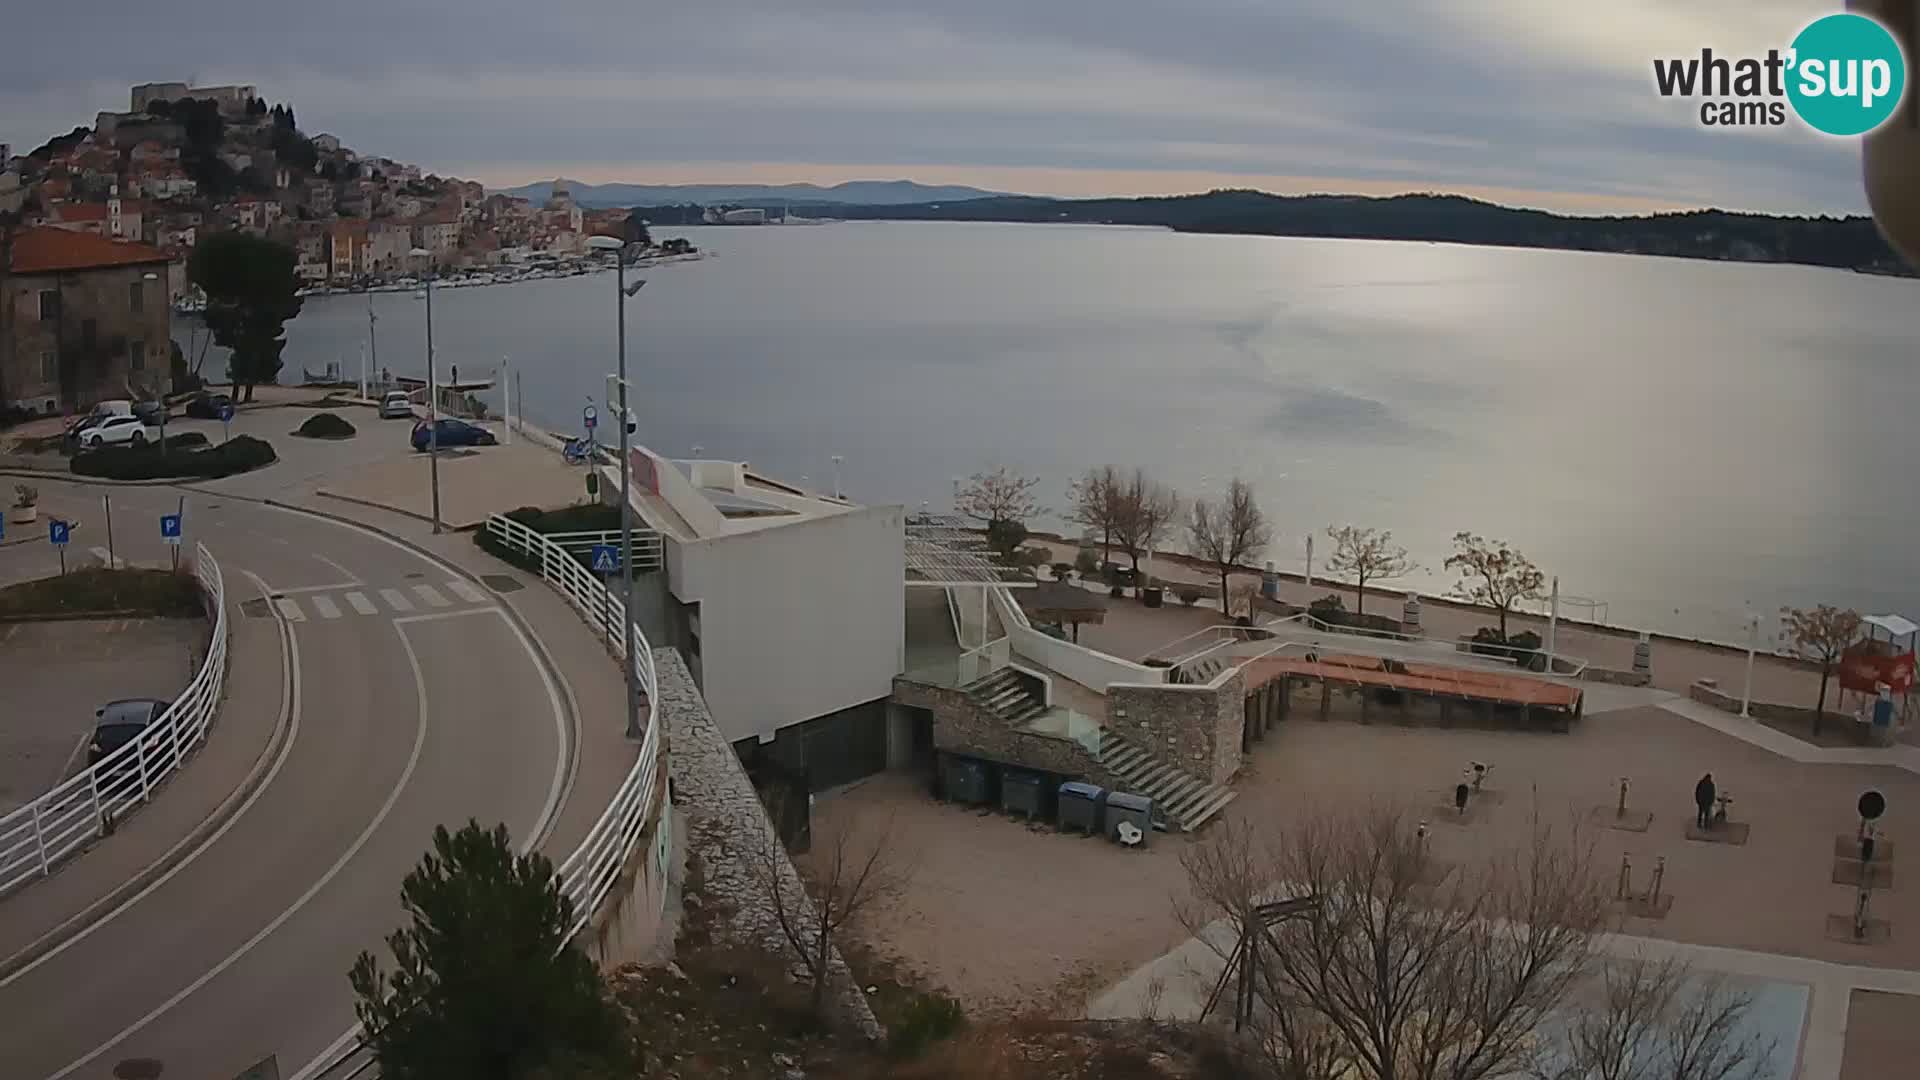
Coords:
pixel 170 528
pixel 57 533
pixel 226 412
pixel 590 416
pixel 606 558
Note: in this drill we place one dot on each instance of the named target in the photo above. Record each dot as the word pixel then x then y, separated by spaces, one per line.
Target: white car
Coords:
pixel 119 429
pixel 396 405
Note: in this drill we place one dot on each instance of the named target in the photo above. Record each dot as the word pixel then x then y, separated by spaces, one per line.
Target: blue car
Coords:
pixel 452 433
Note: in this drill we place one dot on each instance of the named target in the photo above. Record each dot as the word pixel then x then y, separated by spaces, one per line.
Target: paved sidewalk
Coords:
pixel 237 748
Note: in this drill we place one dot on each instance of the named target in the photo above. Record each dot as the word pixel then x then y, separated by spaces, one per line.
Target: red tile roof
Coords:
pixel 70 211
pixel 45 250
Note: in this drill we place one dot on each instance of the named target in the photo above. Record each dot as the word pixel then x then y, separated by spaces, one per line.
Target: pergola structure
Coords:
pixel 944 551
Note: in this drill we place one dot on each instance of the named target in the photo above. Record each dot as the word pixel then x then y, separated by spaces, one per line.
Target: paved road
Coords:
pixel 417 703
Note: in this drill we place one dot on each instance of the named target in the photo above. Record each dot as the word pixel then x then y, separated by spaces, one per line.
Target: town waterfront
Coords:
pixel 1681 440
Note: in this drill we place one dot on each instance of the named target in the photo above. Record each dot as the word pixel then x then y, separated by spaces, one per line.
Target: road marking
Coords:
pixel 234 957
pixel 344 572
pixel 290 715
pixel 361 604
pixel 289 609
pixel 465 590
pixel 324 604
pixel 432 596
pixel 335 587
pixel 108 559
pixel 396 599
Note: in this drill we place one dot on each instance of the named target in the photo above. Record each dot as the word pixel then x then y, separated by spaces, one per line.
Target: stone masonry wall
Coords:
pixel 725 822
pixel 1707 693
pixel 1196 728
pixel 961 726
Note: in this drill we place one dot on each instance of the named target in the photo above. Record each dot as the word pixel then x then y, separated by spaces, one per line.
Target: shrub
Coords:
pixel 1063 571
pixel 325 425
pixel 928 1019
pixel 238 454
pixel 1086 562
pixel 160 593
pixel 1329 609
pixel 25 495
pixel 186 440
pixel 1189 594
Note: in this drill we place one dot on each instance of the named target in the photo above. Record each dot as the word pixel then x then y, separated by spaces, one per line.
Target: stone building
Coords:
pixel 82 318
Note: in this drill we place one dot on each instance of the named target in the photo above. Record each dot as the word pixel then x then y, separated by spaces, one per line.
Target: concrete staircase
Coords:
pixel 1199 672
pixel 1186 801
pixel 1009 695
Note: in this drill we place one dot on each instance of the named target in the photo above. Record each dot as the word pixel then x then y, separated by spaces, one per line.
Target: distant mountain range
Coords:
pixel 853 192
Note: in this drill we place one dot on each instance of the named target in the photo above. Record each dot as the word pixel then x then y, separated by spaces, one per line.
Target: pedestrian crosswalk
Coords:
pixel 348 603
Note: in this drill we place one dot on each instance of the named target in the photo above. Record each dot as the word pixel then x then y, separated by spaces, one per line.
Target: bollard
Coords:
pixel 1643 655
pixel 1269 583
pixel 1659 875
pixel 1620 811
pixel 1460 793
pixel 1626 877
pixel 1410 613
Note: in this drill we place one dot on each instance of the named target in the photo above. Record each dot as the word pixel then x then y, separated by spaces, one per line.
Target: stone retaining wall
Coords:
pixel 726 824
pixel 1707 692
pixel 961 726
pixel 1619 678
pixel 1195 728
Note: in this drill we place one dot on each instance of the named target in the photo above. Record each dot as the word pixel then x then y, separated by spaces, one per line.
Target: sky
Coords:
pixel 1546 103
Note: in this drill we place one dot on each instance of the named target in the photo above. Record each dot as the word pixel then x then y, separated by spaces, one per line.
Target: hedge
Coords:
pixel 325 426
pixel 162 593
pixel 238 454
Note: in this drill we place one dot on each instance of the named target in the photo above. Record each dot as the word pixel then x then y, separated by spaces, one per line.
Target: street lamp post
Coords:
pixel 621 295
pixel 433 400
pixel 1753 645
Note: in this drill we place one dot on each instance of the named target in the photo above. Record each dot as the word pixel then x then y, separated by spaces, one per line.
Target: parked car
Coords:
pixel 118 723
pixel 452 433
pixel 396 405
pixel 149 411
pixel 119 429
pixel 208 406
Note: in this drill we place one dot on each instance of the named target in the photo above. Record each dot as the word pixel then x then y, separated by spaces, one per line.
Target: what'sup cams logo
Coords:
pixel 1844 75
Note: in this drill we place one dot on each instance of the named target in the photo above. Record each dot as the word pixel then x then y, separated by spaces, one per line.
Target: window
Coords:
pixel 49 305
pixel 49 367
pixel 136 298
pixel 137 355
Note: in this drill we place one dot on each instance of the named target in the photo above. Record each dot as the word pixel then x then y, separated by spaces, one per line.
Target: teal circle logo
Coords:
pixel 1847 74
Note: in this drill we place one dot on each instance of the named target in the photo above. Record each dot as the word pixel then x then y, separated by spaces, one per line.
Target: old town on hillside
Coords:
pixel 97 226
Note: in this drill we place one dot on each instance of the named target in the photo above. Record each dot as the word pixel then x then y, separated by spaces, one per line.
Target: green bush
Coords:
pixel 325 425
pixel 160 593
pixel 186 440
pixel 1086 562
pixel 1189 594
pixel 237 455
pixel 928 1019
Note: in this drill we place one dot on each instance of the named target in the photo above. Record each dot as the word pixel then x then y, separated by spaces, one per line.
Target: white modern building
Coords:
pixel 788 604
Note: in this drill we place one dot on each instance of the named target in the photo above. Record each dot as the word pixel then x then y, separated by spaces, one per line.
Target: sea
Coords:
pixel 1682 444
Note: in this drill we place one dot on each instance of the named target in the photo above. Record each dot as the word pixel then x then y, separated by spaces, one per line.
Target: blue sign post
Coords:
pixel 57 533
pixel 606 559
pixel 170 532
pixel 226 421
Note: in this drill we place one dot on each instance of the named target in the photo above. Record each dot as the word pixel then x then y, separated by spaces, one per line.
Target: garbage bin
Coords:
pixel 1154 595
pixel 1021 793
pixel 966 781
pixel 1080 806
pixel 1135 810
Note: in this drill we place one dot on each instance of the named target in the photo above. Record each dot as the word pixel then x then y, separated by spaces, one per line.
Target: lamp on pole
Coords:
pixel 1753 645
pixel 621 294
pixel 837 459
pixel 433 397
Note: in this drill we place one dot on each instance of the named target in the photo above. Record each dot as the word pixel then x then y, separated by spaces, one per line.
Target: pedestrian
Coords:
pixel 1703 798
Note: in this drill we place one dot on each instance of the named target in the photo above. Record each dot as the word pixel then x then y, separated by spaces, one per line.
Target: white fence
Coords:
pixel 1095 670
pixel 587 875
pixel 647 550
pixel 34 837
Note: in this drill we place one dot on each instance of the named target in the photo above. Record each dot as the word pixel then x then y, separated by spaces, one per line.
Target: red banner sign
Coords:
pixel 1866 668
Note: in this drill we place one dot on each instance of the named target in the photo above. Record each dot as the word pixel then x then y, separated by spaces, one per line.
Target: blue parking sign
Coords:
pixel 170 528
pixel 606 558
pixel 226 412
pixel 57 533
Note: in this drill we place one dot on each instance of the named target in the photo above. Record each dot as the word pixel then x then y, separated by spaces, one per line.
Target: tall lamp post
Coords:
pixel 621 294
pixel 433 398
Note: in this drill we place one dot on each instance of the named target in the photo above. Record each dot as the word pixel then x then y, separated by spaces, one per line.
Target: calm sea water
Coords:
pixel 1681 440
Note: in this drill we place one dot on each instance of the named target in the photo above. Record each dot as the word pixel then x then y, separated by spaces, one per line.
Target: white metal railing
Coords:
pixel 35 837
pixel 648 552
pixel 976 664
pixel 589 874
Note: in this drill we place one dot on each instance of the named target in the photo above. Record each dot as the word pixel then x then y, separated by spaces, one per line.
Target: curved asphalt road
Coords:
pixel 429 709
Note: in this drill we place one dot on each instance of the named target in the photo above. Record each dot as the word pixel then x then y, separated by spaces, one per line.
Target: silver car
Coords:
pixel 396 406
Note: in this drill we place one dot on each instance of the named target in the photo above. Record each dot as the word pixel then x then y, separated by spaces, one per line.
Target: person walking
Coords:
pixel 1703 794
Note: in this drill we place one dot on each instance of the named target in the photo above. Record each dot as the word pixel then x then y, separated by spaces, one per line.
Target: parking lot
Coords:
pixel 56 673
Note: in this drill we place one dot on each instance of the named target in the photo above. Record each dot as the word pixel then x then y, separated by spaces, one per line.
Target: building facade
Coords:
pixel 82 318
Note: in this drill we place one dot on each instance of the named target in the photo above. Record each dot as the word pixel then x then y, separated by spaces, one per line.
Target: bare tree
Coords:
pixel 1148 509
pixel 1493 574
pixel 1366 555
pixel 858 869
pixel 1657 1020
pixel 1096 501
pixel 1820 635
pixel 1398 973
pixel 1003 501
pixel 1226 531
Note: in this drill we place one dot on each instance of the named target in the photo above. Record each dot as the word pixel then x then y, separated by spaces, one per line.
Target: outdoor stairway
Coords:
pixel 1185 801
pixel 1008 695
pixel 1199 672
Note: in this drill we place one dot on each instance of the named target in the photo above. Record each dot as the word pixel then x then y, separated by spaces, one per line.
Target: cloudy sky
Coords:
pixel 1535 102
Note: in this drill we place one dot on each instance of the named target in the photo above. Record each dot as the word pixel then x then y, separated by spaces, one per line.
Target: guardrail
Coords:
pixel 587 875
pixel 35 837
